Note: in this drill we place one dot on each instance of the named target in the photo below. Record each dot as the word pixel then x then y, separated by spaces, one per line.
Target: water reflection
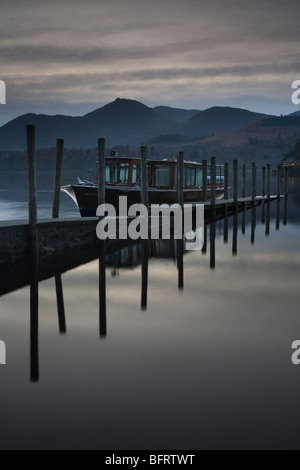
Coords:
pixel 129 257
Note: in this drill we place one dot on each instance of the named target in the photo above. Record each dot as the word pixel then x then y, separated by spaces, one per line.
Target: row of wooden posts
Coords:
pixel 265 189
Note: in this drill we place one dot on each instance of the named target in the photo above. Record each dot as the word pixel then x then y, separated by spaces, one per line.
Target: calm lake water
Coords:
pixel 203 367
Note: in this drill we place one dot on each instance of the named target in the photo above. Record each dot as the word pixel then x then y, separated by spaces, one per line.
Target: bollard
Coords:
pixel 244 181
pixel 57 184
pixel 235 181
pixel 213 178
pixel 286 182
pixel 268 182
pixel 144 173
pixel 278 181
pixel 204 173
pixel 263 183
pixel 32 199
pixel 254 185
pixel 101 172
pixel 180 176
pixel 226 180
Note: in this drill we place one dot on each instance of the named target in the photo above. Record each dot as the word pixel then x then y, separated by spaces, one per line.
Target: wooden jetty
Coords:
pixel 44 238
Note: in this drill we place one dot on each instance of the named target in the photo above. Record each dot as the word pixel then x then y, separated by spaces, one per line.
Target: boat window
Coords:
pixel 107 174
pixel 162 175
pixel 117 173
pixel 199 178
pixel 136 174
pixel 190 177
pixel 123 173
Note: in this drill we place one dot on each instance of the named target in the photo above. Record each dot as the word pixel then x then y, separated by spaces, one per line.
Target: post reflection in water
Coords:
pixel 278 214
pixel 60 305
pixel 253 224
pixel 102 290
pixel 225 225
pixel 34 324
pixel 204 248
pixel 145 260
pixel 267 218
pixel 180 265
pixel 213 245
pixel 235 234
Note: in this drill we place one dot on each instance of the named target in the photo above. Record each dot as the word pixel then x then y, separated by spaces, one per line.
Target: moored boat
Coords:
pixel 123 178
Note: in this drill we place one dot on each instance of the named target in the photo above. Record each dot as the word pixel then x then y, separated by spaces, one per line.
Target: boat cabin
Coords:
pixel 162 173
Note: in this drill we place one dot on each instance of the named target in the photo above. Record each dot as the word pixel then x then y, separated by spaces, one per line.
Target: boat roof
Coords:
pixel 152 160
pixel 149 160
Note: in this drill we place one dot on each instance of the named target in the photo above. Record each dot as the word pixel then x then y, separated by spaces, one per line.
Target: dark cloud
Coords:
pixel 180 52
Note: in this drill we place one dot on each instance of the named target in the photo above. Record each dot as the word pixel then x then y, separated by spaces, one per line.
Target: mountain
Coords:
pixel 218 120
pixel 296 113
pixel 176 114
pixel 263 142
pixel 124 122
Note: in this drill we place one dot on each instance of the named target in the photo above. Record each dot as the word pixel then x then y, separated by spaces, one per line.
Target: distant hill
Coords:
pixel 296 113
pixel 176 114
pixel 218 120
pixel 124 122
pixel 262 142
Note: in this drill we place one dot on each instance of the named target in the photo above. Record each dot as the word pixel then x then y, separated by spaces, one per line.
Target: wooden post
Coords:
pixel 101 172
pixel 181 183
pixel 144 177
pixel 268 182
pixel 244 181
pixel 235 182
pixel 263 182
pixel 57 184
pixel 55 215
pixel 226 180
pixel 180 176
pixel 102 267
pixel 286 190
pixel 33 248
pixel 254 185
pixel 32 199
pixel 213 178
pixel 278 181
pixel 286 183
pixel 204 173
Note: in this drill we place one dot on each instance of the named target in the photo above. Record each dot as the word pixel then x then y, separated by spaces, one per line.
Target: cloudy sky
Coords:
pixel 73 56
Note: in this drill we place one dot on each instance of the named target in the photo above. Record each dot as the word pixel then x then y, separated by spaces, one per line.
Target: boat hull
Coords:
pixel 86 197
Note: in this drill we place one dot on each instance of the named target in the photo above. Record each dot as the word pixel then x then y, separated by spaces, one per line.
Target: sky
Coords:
pixel 74 56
